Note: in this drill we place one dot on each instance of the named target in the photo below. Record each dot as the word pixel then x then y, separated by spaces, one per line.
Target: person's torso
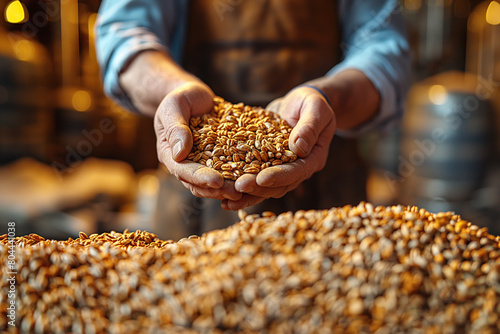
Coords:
pixel 254 51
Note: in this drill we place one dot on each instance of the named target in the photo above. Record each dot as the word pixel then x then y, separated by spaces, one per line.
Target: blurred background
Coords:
pixel 72 160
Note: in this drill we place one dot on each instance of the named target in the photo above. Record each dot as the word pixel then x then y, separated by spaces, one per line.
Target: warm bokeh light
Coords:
pixel 91 22
pixel 438 94
pixel 73 11
pixel 493 13
pixel 15 12
pixel 413 5
pixel 475 22
pixel 81 100
pixel 25 50
pixel 148 184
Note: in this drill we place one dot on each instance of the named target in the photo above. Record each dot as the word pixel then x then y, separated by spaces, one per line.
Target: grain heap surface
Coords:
pixel 235 139
pixel 344 270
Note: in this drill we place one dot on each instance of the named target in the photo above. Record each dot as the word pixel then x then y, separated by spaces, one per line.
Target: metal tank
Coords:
pixel 446 142
pixel 483 61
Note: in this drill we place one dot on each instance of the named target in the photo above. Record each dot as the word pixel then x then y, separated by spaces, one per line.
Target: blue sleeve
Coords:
pixel 127 27
pixel 374 42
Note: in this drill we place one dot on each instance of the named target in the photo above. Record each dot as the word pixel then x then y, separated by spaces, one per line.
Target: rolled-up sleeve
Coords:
pixel 374 42
pixel 126 27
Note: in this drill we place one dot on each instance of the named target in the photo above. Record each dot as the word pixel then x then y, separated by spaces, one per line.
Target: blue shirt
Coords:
pixel 373 41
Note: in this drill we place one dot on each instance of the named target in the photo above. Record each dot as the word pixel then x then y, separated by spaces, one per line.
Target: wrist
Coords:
pixel 353 97
pixel 149 77
pixel 320 91
pixel 333 90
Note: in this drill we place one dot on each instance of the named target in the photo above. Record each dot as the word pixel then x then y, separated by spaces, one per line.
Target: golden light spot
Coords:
pixel 81 100
pixel 25 50
pixel 148 184
pixel 493 13
pixel 91 24
pixel 438 94
pixel 15 12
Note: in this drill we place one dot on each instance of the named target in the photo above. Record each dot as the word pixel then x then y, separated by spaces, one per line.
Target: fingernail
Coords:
pixel 302 145
pixel 177 148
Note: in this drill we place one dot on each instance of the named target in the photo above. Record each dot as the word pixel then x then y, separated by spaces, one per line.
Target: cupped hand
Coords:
pixel 175 141
pixel 314 124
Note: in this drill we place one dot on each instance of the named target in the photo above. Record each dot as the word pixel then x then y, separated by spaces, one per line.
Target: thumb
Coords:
pixel 174 140
pixel 174 113
pixel 180 141
pixel 315 115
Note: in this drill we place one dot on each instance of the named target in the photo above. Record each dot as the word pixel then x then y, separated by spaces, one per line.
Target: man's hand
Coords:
pixel 174 141
pixel 314 124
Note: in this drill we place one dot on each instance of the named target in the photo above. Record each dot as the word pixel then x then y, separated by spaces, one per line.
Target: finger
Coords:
pixel 192 172
pixel 315 116
pixel 320 152
pixel 272 192
pixel 299 170
pixel 226 192
pixel 174 135
pixel 286 174
pixel 247 183
pixel 229 191
pixel 245 201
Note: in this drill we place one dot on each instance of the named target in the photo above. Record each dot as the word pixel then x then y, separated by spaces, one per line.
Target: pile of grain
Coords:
pixel 344 270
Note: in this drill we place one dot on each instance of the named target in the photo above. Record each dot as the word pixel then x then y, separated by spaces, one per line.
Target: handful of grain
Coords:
pixel 355 269
pixel 235 139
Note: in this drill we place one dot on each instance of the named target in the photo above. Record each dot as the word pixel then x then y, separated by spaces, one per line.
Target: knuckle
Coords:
pixel 176 97
pixel 162 153
pixel 176 132
pixel 316 99
pixel 309 132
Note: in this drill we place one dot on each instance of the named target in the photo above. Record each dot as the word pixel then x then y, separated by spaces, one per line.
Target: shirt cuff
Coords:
pixel 135 40
pixel 389 112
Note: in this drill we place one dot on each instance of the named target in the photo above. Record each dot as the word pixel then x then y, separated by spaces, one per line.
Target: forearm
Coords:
pixel 149 77
pixel 354 98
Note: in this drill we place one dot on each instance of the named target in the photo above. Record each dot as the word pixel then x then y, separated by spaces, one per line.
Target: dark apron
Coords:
pixel 254 51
